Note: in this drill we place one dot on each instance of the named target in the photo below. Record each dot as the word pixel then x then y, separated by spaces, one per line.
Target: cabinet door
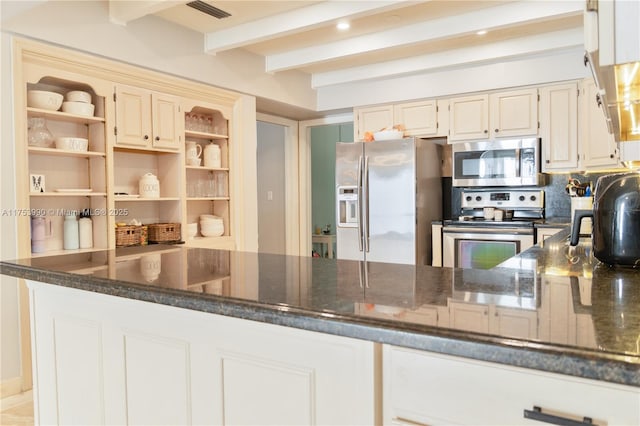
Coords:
pixel 599 149
pixel 469 317
pixel 418 118
pixel 519 323
pixel 514 113
pixel 559 127
pixel 469 118
pixel 373 119
pixel 166 121
pixel 133 116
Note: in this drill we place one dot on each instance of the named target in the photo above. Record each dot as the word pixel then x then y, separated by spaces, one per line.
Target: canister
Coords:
pixel 149 186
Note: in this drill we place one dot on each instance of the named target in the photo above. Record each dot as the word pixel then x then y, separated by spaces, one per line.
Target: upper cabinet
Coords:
pixel 599 148
pixel 421 118
pixel 372 119
pixel 559 127
pixel 496 115
pixel 573 130
pixel 147 119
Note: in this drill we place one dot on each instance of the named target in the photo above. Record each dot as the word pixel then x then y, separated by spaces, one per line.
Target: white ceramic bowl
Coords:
pixel 72 144
pixel 44 100
pixel 78 108
pixel 386 135
pixel 78 96
pixel 211 231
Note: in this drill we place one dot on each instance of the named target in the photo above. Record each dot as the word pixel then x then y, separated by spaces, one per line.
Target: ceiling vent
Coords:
pixel 208 9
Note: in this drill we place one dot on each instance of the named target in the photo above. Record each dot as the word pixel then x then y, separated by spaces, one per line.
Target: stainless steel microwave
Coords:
pixel 512 162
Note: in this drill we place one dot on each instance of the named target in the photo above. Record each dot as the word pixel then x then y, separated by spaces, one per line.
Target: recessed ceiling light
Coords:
pixel 482 32
pixel 343 25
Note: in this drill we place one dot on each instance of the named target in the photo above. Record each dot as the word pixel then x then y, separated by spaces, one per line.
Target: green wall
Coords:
pixel 323 171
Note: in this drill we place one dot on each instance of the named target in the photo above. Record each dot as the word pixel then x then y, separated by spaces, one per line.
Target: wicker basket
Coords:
pixel 128 235
pixel 164 232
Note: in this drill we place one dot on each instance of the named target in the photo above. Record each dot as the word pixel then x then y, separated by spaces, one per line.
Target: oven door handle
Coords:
pixel 487 231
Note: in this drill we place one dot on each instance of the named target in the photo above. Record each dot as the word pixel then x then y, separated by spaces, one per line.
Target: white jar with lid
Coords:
pixel 212 155
pixel 85 230
pixel 149 186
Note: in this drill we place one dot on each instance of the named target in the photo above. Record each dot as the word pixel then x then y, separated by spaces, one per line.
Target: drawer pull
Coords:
pixel 537 414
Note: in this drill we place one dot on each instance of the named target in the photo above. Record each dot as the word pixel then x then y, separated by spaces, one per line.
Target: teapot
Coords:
pixel 212 155
pixel 193 150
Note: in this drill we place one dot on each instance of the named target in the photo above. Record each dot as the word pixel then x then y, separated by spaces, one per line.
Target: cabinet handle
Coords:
pixel 547 161
pixel 497 130
pixel 537 414
pixel 157 138
pixel 486 131
pixel 611 156
pixel 146 137
pixel 586 60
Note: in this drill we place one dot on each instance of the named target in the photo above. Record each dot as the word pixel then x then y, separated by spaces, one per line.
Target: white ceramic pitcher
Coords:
pixel 193 151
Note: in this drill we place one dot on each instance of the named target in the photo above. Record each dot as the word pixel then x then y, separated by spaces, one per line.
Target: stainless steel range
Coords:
pixel 476 242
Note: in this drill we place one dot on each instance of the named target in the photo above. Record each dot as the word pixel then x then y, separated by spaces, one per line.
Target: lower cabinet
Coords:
pixel 426 388
pixel 101 359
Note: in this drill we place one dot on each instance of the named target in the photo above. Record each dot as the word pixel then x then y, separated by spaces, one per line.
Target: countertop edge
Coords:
pixel 512 352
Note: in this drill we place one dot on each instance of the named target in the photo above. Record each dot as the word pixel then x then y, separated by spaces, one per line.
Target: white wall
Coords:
pixel 561 66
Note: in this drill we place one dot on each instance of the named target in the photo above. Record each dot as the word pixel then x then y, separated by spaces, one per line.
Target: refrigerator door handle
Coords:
pixel 360 225
pixel 365 204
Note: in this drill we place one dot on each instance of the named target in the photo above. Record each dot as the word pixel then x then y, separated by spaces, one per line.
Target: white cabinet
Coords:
pixel 372 119
pixel 147 119
pixel 426 388
pixel 133 362
pixel 514 113
pixel 599 148
pixel 436 244
pixel 489 318
pixel 495 115
pixel 418 118
pixel 469 117
pixel 559 127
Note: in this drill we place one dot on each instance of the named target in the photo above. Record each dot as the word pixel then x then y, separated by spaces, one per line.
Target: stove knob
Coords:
pixel 468 198
pixel 478 198
pixel 521 198
pixel 533 198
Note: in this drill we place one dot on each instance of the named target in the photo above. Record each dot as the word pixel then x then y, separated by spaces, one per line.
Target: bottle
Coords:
pixel 71 234
pixel 85 230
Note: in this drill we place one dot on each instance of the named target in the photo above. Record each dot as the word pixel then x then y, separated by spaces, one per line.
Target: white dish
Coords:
pixel 72 144
pixel 387 135
pixel 44 100
pixel 127 197
pixel 78 108
pixel 78 96
pixel 74 190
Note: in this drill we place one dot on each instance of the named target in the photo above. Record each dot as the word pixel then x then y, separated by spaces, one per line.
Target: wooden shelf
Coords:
pixel 214 169
pixel 141 149
pixel 203 135
pixel 137 200
pixel 207 198
pixel 64 152
pixel 68 194
pixel 58 115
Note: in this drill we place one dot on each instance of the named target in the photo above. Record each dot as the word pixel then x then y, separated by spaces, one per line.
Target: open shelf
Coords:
pixel 65 116
pixel 64 152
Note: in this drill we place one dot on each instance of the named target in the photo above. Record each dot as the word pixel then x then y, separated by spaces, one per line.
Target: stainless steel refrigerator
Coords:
pixel 387 195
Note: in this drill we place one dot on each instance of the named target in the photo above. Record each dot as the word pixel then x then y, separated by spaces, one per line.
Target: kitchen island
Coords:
pixel 167 334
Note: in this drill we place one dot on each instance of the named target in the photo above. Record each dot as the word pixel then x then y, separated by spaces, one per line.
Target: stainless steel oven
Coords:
pixel 483 247
pixel 479 243
pixel 513 162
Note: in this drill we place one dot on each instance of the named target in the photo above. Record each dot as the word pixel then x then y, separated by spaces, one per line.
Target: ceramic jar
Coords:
pixel 192 153
pixel 71 232
pixel 149 186
pixel 212 155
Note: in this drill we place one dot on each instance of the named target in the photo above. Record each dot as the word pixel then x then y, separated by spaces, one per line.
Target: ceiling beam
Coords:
pixel 504 16
pixel 123 11
pixel 493 52
pixel 294 21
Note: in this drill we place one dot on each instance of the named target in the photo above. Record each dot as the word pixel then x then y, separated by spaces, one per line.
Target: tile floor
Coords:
pixel 17 410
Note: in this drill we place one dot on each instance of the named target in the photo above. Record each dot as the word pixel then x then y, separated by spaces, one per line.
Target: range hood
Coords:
pixel 612 44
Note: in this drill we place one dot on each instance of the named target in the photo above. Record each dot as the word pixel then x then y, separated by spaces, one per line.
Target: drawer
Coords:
pixel 425 388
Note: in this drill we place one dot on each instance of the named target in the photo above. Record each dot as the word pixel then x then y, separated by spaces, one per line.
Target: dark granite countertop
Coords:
pixel 551 308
